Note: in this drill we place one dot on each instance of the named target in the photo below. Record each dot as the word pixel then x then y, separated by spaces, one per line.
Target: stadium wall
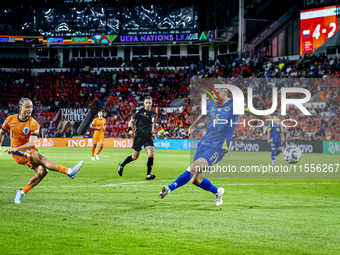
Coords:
pixel 186 144
pixel 262 145
pixel 160 144
pixel 14 53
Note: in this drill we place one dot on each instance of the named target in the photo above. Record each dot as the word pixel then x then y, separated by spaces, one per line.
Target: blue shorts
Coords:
pixel 275 144
pixel 212 155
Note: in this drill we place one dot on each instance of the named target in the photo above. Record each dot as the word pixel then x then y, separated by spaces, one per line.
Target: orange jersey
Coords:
pixel 20 131
pixel 99 123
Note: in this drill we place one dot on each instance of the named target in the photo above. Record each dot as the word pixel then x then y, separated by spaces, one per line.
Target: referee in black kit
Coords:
pixel 144 131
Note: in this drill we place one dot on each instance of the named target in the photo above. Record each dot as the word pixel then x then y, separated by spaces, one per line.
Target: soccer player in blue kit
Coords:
pixel 275 138
pixel 212 147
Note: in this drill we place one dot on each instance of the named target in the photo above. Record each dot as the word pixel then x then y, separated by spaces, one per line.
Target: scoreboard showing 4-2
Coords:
pixel 317 26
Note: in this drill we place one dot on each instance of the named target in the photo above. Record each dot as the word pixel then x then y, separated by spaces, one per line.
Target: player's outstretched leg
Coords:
pixel 205 184
pixel 273 156
pixel 121 165
pixel 40 174
pixel 278 151
pixel 150 151
pixel 219 196
pixel 133 157
pixel 99 150
pixel 93 151
pixel 193 172
pixel 38 159
pixel 74 170
pixel 183 178
pixel 179 182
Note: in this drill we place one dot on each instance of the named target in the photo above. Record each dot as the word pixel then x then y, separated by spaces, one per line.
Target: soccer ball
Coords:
pixel 292 154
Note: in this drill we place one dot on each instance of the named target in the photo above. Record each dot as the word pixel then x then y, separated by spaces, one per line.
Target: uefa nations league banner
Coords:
pixel 332 147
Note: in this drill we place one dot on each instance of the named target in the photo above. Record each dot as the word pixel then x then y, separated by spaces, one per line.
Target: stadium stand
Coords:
pixel 127 87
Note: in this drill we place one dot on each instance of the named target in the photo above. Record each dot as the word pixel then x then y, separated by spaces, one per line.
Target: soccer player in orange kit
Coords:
pixel 99 125
pixel 24 131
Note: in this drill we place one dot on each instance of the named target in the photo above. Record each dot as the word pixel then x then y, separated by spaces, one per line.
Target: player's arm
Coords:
pixel 153 123
pixel 131 123
pixel 153 130
pixel 31 143
pixel 198 121
pixel 2 137
pixel 134 117
pixel 130 126
pixel 268 133
pixel 5 127
pixel 94 127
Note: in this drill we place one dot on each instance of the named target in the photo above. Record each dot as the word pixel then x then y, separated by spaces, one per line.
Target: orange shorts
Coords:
pixel 24 157
pixel 97 139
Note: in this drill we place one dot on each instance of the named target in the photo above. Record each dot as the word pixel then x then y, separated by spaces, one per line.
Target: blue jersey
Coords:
pixel 275 132
pixel 219 136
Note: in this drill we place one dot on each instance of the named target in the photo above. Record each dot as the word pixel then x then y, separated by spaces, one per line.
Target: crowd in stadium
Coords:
pixel 125 89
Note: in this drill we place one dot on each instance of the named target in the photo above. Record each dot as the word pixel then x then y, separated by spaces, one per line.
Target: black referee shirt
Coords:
pixel 145 120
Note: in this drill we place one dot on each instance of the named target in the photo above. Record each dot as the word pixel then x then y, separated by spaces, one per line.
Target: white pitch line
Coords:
pixel 72 157
pixel 78 157
pixel 147 183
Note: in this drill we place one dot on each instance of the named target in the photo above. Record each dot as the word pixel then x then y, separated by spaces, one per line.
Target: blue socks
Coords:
pixel 181 180
pixel 273 154
pixel 207 185
pixel 277 152
pixel 185 178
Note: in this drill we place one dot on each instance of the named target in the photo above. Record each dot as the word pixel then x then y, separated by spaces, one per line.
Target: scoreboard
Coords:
pixel 317 26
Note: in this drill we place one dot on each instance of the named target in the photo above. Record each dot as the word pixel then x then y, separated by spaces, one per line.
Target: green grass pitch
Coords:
pixel 100 212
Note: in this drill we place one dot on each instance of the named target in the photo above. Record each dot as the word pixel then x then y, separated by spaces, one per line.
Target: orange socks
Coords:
pixel 62 169
pixel 93 150
pixel 99 150
pixel 27 188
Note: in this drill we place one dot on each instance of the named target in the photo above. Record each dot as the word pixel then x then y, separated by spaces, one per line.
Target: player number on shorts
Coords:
pixel 214 156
